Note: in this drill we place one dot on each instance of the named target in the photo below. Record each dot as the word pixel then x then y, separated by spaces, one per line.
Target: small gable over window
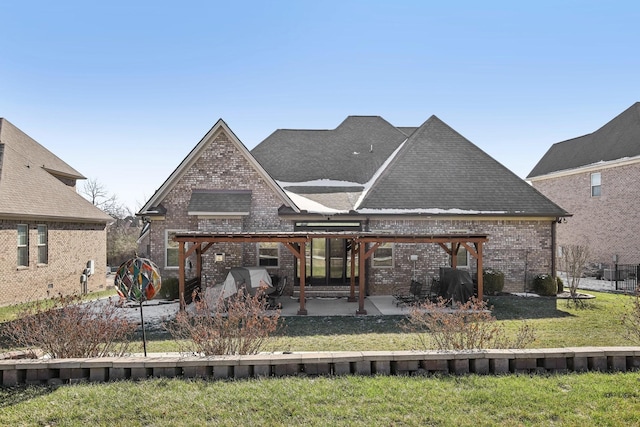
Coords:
pixel 220 203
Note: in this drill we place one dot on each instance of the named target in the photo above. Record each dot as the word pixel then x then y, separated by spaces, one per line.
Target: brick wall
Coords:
pixel 221 166
pixel 70 246
pixel 608 224
pixel 519 248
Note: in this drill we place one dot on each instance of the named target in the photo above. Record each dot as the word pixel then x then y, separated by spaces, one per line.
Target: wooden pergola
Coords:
pixel 362 243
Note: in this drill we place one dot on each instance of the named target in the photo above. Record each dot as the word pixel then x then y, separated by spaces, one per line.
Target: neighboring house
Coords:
pixel 364 176
pixel 596 177
pixel 48 232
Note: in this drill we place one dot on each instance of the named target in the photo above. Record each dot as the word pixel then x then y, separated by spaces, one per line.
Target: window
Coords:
pixel 171 249
pixel 462 259
pixel 595 184
pixel 23 245
pixel 43 252
pixel 383 256
pixel 268 254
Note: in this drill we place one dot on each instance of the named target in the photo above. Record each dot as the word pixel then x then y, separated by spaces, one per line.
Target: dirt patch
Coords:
pixel 579 295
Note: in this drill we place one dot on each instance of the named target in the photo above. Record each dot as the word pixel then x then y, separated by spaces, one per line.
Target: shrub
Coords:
pixel 238 325
pixel 469 327
pixel 560 285
pixel 493 281
pixel 631 320
pixel 170 289
pixel 64 327
pixel 544 285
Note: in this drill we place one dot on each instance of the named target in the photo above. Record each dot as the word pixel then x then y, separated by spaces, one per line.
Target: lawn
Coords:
pixel 573 399
pixel 557 324
pixel 564 400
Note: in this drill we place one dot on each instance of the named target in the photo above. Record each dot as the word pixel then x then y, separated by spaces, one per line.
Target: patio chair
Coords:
pixel 273 297
pixel 432 290
pixel 415 292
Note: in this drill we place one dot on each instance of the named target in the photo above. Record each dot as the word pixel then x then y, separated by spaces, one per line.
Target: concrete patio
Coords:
pixel 379 305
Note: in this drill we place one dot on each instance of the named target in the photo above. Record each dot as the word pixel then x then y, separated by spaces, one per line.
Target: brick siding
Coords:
pixel 519 248
pixel 221 166
pixel 608 224
pixel 70 246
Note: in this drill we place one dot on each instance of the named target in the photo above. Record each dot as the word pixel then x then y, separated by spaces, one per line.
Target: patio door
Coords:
pixel 327 262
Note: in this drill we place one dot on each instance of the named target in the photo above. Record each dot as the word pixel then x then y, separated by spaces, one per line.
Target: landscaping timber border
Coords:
pixel 487 362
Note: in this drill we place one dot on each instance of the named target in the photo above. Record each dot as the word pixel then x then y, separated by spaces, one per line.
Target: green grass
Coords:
pixel 565 400
pixel 557 324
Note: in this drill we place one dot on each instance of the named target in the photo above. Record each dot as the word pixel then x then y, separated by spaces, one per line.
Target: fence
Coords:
pixel 625 276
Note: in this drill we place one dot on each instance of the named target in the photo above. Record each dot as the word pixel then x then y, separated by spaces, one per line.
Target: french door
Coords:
pixel 328 262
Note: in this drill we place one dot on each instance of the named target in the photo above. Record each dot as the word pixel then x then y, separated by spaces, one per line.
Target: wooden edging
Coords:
pixel 486 362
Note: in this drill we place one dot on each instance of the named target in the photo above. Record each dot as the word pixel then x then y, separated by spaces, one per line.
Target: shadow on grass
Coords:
pixel 10 396
pixel 340 325
pixel 510 307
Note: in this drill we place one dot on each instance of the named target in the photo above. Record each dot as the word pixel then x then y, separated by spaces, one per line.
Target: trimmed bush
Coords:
pixel 239 324
pixel 493 281
pixel 545 285
pixel 470 327
pixel 66 327
pixel 560 284
pixel 170 289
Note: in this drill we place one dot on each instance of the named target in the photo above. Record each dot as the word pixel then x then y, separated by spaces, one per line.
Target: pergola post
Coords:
pixel 480 278
pixel 352 282
pixel 181 258
pixel 361 259
pixel 303 266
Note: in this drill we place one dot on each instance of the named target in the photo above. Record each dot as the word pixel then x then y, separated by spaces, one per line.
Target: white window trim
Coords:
pixel 466 266
pixel 373 257
pixel 45 244
pixel 258 253
pixel 166 247
pixel 593 186
pixel 18 245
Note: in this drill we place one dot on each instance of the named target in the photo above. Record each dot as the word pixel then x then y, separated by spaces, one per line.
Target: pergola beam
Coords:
pixel 296 243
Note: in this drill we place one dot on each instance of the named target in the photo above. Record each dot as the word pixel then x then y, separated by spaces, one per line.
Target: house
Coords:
pixel 49 233
pixel 322 206
pixel 596 177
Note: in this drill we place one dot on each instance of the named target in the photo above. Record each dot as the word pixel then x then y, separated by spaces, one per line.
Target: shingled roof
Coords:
pixel 427 170
pixel 29 187
pixel 439 171
pixel 351 153
pixel 618 139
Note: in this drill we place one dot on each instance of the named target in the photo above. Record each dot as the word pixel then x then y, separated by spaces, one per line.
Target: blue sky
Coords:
pixel 122 91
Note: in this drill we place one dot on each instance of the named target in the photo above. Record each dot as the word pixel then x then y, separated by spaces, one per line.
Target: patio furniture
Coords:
pixel 415 294
pixel 273 297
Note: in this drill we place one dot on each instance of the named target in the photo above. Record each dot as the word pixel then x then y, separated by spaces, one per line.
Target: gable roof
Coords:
pixel 151 207
pixel 29 188
pixel 438 171
pixel 350 153
pixel 433 171
pixel 618 139
pixel 220 202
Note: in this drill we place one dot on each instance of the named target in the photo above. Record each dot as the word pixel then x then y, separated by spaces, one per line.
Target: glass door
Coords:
pixel 328 262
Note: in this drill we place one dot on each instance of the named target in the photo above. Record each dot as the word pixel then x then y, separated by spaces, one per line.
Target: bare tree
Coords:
pixel 97 194
pixel 574 260
pixel 121 233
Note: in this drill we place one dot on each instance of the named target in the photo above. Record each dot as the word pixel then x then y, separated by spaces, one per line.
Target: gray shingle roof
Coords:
pixel 438 169
pixel 220 202
pixel 618 139
pixel 28 187
pixel 352 152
